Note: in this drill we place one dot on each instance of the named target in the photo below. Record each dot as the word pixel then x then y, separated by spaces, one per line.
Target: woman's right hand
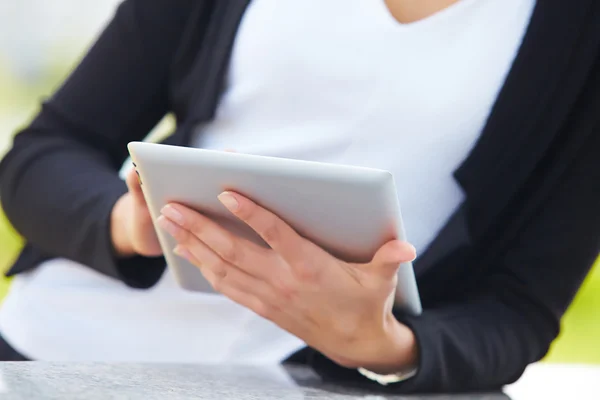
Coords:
pixel 132 230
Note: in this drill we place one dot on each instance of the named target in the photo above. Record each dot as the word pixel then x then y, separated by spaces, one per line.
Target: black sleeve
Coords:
pixel 60 180
pixel 512 317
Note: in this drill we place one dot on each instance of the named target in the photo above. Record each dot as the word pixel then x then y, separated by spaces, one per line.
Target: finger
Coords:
pixel 202 257
pixel 389 257
pixel 254 294
pixel 236 284
pixel 222 275
pixel 281 237
pixel 265 307
pixel 133 184
pixel 232 249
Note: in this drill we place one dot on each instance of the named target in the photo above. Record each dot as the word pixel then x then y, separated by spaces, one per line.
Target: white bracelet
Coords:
pixel 391 378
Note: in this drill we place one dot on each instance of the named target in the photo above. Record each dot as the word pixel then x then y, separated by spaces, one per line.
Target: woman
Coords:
pixel 484 110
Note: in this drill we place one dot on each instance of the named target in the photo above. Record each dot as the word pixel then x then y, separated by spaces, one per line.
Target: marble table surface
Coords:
pixel 45 381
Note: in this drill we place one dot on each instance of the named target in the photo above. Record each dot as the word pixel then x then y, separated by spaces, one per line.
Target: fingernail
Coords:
pixel 174 215
pixel 168 226
pixel 183 253
pixel 414 252
pixel 229 201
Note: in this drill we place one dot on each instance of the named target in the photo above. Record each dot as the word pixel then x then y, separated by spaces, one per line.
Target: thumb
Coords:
pixel 133 184
pixel 389 256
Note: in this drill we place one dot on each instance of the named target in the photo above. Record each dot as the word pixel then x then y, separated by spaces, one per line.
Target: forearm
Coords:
pixel 59 196
pixel 478 346
pixel 465 347
pixel 59 183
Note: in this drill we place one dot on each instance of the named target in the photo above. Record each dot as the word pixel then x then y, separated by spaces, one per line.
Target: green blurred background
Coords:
pixel 33 63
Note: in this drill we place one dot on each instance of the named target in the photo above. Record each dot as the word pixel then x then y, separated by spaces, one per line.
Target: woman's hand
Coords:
pixel 342 309
pixel 132 231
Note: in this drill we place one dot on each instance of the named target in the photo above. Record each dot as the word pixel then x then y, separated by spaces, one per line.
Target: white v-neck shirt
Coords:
pixel 336 81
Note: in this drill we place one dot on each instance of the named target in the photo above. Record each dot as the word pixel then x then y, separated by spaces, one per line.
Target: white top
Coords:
pixel 347 84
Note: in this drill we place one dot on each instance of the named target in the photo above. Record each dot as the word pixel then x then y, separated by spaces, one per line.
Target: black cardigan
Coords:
pixel 496 280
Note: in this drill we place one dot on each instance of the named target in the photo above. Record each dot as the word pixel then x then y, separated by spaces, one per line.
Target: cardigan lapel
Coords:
pixel 210 67
pixel 556 56
pixel 547 76
pixel 200 64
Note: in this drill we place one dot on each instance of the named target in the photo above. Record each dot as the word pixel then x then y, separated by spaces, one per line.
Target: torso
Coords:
pixel 379 80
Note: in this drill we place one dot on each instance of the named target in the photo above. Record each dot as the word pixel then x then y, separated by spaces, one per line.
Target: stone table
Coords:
pixel 49 381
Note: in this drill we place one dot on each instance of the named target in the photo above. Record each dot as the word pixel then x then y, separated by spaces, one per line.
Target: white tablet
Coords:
pixel 349 211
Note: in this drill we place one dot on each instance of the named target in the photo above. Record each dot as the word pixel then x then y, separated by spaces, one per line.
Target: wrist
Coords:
pixel 397 350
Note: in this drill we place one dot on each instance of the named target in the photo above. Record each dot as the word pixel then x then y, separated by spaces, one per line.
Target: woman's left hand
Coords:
pixel 342 309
